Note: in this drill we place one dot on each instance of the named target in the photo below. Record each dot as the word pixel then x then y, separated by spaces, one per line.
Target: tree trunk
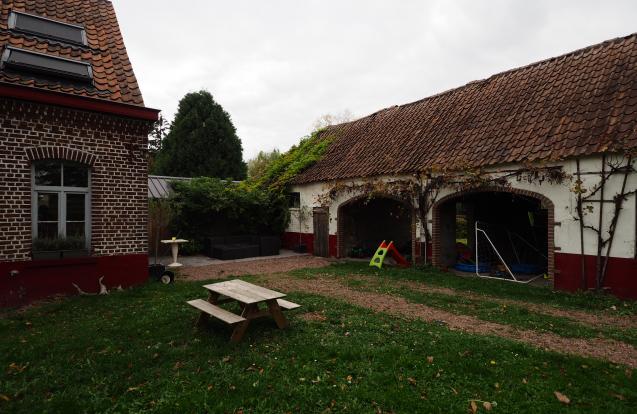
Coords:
pixel 580 213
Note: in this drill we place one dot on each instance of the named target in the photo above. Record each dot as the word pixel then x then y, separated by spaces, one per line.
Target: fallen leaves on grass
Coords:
pixel 562 398
pixel 314 316
pixel 16 368
pixel 488 406
pixel 618 396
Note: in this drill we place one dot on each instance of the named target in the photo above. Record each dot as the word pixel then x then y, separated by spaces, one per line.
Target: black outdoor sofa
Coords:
pixel 241 247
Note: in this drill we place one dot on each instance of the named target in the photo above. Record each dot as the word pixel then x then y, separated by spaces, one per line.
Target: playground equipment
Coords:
pixel 381 253
pixel 492 254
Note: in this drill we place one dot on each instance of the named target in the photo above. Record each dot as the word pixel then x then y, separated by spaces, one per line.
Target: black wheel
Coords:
pixel 167 278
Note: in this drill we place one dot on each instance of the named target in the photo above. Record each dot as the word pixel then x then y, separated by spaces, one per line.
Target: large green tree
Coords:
pixel 202 142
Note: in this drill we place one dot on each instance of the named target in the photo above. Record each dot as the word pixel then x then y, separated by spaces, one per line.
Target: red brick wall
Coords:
pixel 115 147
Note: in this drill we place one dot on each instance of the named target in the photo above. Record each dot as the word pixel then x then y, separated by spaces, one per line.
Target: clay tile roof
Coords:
pixel 581 103
pixel 113 77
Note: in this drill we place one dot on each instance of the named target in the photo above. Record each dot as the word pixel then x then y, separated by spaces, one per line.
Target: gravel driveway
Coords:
pixel 253 267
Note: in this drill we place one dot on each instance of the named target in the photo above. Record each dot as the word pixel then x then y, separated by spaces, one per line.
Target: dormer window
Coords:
pixel 51 66
pixel 44 27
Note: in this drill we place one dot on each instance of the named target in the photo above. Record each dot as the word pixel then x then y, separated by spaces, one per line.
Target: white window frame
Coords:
pixel 62 192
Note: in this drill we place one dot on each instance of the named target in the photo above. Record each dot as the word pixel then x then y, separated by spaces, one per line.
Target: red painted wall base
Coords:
pixel 291 240
pixel 420 251
pixel 621 276
pixel 41 278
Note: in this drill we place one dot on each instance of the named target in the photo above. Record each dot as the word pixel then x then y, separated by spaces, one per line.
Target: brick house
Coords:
pixel 512 152
pixel 73 141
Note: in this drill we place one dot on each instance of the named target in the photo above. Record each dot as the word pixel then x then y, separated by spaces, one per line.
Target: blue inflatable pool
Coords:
pixel 470 267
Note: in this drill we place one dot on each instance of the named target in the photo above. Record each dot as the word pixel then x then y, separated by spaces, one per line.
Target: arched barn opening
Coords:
pixel 364 223
pixel 499 234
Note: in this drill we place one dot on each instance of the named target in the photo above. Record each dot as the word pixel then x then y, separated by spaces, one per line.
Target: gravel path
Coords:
pixel 595 320
pixel 253 267
pixel 610 350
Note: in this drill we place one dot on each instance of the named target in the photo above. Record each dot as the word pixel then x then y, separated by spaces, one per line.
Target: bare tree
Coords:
pixel 332 119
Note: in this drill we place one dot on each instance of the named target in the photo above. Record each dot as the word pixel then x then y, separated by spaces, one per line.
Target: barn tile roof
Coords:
pixel 113 75
pixel 581 103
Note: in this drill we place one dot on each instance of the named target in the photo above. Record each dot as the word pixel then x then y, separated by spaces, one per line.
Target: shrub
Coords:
pixel 209 206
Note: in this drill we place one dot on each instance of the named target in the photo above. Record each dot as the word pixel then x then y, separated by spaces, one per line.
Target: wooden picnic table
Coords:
pixel 249 296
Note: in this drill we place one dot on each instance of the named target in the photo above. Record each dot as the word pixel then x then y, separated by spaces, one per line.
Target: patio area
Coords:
pixel 201 260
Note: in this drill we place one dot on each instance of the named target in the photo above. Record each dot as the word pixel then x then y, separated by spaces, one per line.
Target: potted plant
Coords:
pixel 59 248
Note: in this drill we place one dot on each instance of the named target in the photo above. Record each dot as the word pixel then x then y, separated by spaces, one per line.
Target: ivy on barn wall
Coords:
pixel 298 159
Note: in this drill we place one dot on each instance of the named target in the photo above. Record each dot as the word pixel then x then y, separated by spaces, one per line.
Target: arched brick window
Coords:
pixel 60 205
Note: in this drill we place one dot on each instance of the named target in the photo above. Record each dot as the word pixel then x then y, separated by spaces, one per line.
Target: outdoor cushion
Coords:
pixel 235 251
pixel 269 245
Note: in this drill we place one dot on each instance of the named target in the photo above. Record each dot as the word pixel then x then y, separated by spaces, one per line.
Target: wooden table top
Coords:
pixel 244 292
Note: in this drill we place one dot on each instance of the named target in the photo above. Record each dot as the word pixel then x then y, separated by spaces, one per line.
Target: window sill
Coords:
pixel 59 254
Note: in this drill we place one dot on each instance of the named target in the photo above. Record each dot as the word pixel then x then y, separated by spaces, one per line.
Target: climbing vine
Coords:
pixel 298 159
pixel 421 190
pixel 596 194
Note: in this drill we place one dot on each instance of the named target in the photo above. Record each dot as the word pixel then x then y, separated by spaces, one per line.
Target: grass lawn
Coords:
pixel 486 309
pixel 505 290
pixel 137 351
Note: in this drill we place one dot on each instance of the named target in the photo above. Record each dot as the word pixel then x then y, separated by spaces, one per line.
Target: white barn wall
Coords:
pixel 564 201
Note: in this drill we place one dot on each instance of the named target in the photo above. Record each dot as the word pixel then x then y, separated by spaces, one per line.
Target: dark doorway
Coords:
pixel 365 223
pixel 321 232
pixel 513 229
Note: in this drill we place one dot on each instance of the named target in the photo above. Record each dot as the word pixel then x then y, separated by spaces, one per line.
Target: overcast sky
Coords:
pixel 277 66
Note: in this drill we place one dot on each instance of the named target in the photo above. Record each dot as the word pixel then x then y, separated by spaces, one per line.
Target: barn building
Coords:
pixel 530 171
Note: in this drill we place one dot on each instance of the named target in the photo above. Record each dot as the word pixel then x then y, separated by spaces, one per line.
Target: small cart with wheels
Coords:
pixel 158 271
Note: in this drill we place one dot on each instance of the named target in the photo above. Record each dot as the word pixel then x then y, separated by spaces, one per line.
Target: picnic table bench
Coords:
pixel 249 296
